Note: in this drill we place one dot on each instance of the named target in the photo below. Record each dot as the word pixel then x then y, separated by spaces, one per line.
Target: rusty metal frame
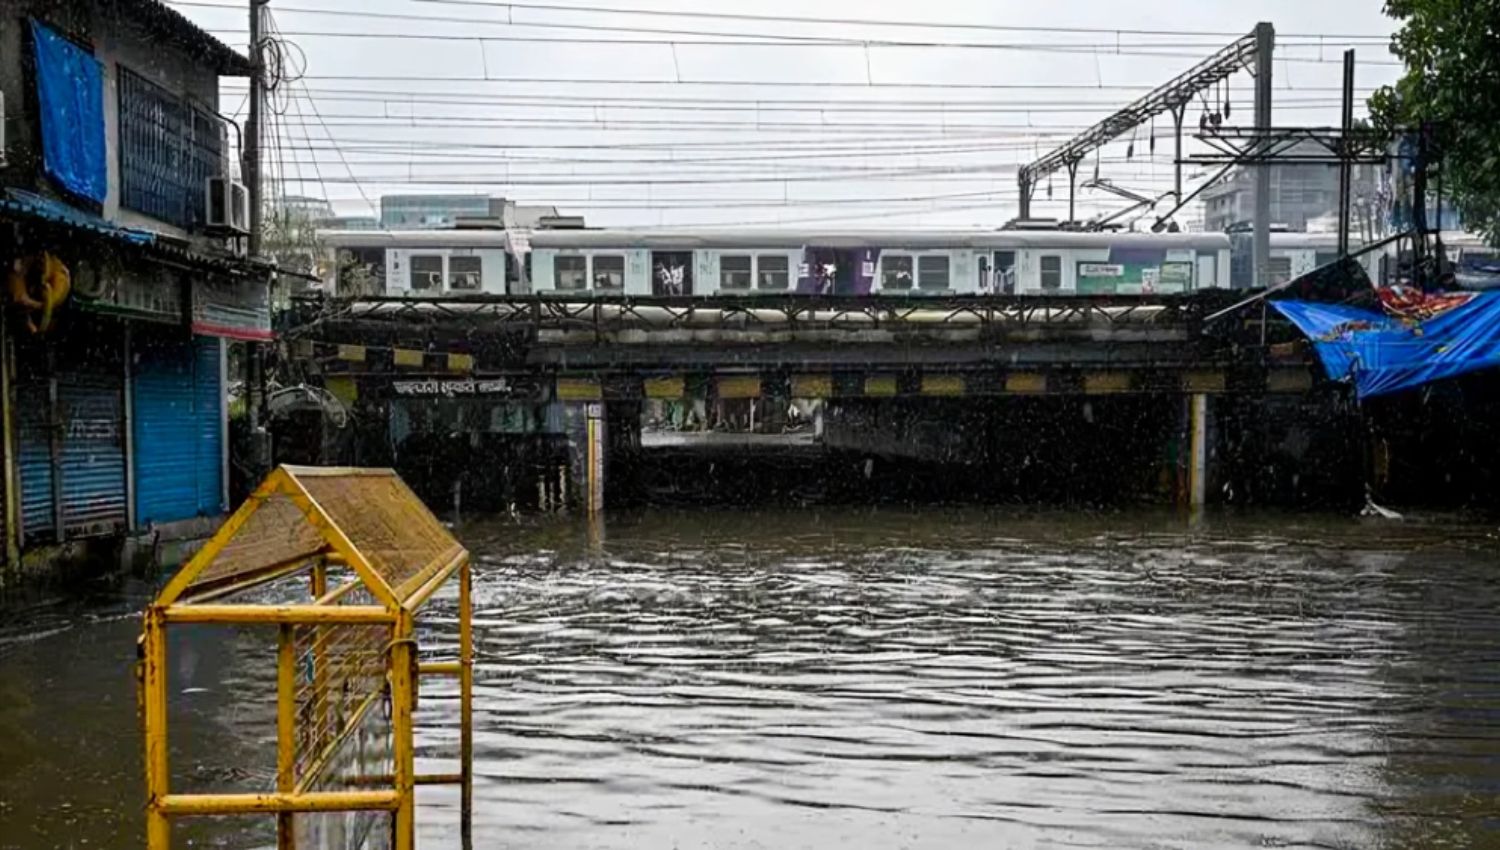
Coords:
pixel 604 314
pixel 394 609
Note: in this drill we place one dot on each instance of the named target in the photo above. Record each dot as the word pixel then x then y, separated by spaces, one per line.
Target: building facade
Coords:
pixel 440 212
pixel 122 293
pixel 1301 195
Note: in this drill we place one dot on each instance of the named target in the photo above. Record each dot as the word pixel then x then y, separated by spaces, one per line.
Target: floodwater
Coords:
pixel 866 678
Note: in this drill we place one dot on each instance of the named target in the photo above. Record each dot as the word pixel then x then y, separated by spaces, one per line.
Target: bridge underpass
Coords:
pixel 1065 398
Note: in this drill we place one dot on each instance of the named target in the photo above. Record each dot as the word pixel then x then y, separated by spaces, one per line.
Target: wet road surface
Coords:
pixel 875 679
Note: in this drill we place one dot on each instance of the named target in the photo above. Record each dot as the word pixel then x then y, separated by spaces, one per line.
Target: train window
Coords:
pixel 896 272
pixel 465 274
pixel 932 272
pixel 1051 272
pixel 773 271
pixel 426 272
pixel 570 272
pixel 735 271
pixel 609 272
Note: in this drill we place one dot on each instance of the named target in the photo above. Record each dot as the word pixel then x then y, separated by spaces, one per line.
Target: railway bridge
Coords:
pixel 942 379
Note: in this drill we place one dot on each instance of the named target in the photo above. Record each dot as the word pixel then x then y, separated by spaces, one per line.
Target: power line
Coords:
pixel 861 84
pixel 803 19
pixel 1159 50
pixel 1312 39
pixel 390 99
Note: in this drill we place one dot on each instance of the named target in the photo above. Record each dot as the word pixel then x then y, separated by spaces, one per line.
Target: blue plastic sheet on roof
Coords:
pixel 1382 354
pixel 70 96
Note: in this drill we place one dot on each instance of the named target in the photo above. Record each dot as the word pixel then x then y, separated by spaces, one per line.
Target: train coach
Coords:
pixel 709 263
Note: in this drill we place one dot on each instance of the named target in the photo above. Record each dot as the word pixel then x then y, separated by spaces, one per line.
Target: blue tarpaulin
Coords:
pixel 1383 354
pixel 70 95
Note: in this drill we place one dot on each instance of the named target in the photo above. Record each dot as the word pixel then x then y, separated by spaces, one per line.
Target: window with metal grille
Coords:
pixel 465 273
pixel 168 150
pixel 1051 272
pixel 932 273
pixel 774 271
pixel 735 271
pixel 896 272
pixel 609 272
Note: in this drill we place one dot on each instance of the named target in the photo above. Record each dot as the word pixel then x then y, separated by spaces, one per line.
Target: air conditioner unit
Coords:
pixel 228 207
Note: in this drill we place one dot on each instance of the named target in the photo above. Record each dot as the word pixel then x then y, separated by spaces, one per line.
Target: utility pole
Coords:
pixel 1265 43
pixel 260 452
pixel 250 165
pixel 1345 166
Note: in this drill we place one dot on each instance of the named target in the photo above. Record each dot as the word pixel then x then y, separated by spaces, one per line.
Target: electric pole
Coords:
pixel 1265 43
pixel 250 166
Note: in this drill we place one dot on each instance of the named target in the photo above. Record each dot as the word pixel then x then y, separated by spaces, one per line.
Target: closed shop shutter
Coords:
pixel 91 411
pixel 177 428
pixel 34 439
pixel 208 417
pixel 162 396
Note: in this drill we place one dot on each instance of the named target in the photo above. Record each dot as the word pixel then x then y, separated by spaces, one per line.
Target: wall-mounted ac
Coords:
pixel 228 207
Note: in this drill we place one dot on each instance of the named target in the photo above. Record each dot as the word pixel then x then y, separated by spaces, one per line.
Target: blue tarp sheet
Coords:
pixel 1383 354
pixel 70 94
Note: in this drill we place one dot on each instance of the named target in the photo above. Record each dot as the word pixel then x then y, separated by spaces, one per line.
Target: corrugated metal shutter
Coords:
pixel 34 438
pixel 178 429
pixel 162 397
pixel 90 402
pixel 209 425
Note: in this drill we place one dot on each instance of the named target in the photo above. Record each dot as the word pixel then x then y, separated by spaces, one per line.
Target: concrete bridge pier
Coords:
pixel 603 438
pixel 1200 456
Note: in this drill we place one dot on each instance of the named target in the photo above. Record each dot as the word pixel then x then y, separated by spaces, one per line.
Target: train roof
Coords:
pixel 932 239
pixel 477 238
pixel 689 239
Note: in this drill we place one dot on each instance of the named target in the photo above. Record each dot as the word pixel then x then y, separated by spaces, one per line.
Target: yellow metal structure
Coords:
pixel 365 555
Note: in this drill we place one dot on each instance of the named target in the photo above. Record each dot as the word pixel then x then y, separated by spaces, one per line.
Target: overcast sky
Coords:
pixel 816 127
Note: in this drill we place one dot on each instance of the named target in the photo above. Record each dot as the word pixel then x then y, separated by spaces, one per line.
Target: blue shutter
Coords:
pixel 162 405
pixel 34 436
pixel 208 396
pixel 178 429
pixel 90 403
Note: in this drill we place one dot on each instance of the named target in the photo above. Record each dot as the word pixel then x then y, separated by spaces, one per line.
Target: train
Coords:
pixel 725 263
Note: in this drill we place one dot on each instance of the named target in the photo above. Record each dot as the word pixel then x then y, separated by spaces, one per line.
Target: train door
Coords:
pixel 671 273
pixel 1005 273
pixel 834 271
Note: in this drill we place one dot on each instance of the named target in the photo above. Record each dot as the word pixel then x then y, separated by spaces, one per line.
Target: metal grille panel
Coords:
pixel 168 150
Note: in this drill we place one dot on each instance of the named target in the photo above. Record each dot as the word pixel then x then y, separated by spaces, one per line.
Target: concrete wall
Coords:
pixel 116 41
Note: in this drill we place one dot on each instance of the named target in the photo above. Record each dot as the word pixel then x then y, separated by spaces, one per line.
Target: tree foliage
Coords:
pixel 1451 49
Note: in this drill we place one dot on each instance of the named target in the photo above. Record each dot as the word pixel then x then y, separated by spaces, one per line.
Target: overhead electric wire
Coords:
pixel 807 19
pixel 397 99
pixel 833 84
pixel 1316 38
pixel 1141 50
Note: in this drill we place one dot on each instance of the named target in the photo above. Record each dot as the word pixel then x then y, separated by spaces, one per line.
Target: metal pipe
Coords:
pixel 154 705
pixel 1345 165
pixel 466 702
pixel 403 664
pixel 349 615
pixel 192 805
pixel 286 731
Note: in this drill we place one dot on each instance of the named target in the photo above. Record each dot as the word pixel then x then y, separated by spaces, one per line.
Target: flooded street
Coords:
pixel 872 678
